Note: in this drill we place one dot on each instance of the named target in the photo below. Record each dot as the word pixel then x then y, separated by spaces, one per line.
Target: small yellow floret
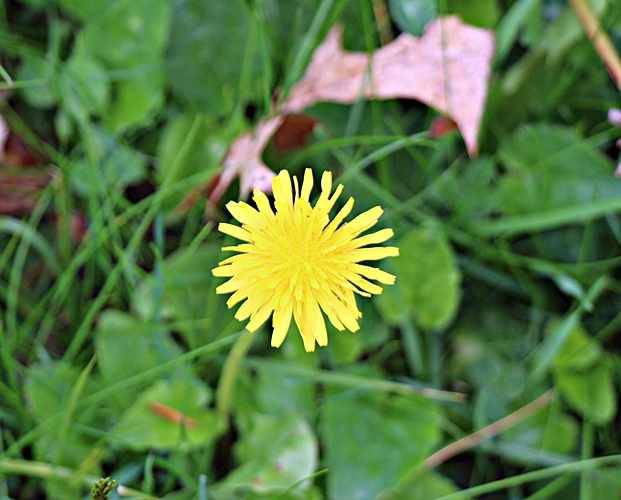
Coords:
pixel 297 263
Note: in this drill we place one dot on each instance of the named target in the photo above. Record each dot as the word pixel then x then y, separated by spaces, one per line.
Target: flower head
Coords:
pixel 297 263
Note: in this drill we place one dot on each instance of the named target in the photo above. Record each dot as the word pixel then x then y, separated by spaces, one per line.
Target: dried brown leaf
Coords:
pixel 244 160
pixel 447 68
pixel 20 182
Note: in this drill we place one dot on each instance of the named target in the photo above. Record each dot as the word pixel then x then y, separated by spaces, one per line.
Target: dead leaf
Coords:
pixel 20 181
pixel 244 160
pixel 293 132
pixel 440 126
pixel 448 68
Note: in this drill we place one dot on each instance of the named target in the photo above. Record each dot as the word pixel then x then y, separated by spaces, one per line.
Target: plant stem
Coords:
pixel 46 471
pixel 490 431
pixel 529 477
pixel 601 43
pixel 225 394
pixel 587 452
pixel 354 381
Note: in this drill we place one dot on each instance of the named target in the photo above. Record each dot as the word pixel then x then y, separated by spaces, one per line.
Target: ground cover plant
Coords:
pixel 488 367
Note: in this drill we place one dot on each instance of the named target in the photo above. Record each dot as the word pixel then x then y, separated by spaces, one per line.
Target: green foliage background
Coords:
pixel 507 284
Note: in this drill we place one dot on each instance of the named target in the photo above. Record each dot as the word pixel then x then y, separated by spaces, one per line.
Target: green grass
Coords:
pixel 507 285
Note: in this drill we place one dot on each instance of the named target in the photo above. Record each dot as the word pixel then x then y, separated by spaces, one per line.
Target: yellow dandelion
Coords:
pixel 296 262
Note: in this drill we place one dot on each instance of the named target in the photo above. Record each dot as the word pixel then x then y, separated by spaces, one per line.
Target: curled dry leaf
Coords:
pixel 447 68
pixel 20 182
pixel 244 160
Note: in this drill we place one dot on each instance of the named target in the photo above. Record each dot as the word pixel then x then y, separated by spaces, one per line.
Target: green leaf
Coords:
pixel 371 441
pixel 127 346
pixel 131 34
pixel 422 484
pixel 92 9
pixel 47 390
pixel 548 430
pixel 155 420
pixel 278 393
pixel 39 96
pixel 275 454
pixel 206 51
pixel 130 37
pixel 590 392
pixel 428 278
pixel 84 86
pixel 117 165
pixel 547 169
pixel 579 352
pixel 413 15
pixel 605 484
pixel 137 99
pixel 483 13
pixel 187 294
pixel 470 191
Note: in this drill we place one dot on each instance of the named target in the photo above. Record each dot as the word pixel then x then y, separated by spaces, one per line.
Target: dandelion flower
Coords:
pixel 297 263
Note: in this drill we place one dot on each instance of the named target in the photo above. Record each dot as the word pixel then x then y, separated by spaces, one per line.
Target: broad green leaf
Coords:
pixel 470 191
pixel 93 9
pixel 279 394
pixel 206 52
pixel 131 34
pixel 130 37
pixel 187 294
pixel 275 454
pixel 552 167
pixel 170 414
pixel 413 15
pixel 421 484
pixel 371 441
pixel 605 484
pixel 428 277
pixel 590 392
pixel 39 96
pixel 48 385
pixel 345 347
pixel 548 430
pixel 127 346
pixel 47 391
pixel 483 13
pixel 84 86
pixel 117 165
pixel 579 352
pixel 137 99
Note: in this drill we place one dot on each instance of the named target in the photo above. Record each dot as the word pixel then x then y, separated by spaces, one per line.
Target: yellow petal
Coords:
pixel 307 184
pixel 234 231
pixel 245 214
pixel 259 317
pixel 372 239
pixel 376 253
pixel 281 186
pixel 281 322
pixel 373 273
